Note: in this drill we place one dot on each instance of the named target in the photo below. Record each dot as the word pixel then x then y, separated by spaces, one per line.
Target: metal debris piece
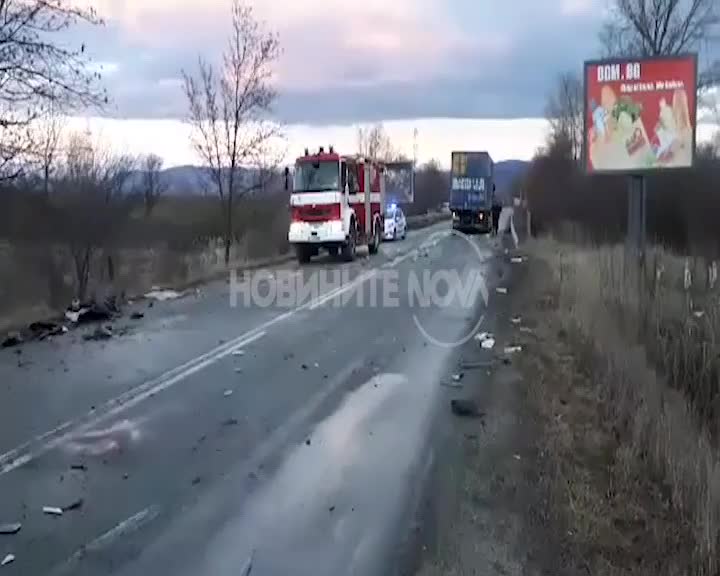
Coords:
pixel 457 377
pixel 516 320
pixel 512 349
pixel 12 528
pixel 7 560
pixel 488 344
pixel 227 393
pixel 238 353
pixel 501 290
pixel 52 510
pixel 465 408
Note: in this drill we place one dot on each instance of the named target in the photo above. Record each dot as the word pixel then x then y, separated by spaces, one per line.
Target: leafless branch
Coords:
pixel 37 74
pixel 228 111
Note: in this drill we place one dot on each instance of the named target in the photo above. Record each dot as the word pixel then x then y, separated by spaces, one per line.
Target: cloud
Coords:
pixel 346 61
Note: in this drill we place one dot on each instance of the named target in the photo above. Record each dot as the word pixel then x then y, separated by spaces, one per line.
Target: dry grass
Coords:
pixel 658 379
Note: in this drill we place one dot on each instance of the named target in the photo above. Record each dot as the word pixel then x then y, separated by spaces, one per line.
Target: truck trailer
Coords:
pixel 472 191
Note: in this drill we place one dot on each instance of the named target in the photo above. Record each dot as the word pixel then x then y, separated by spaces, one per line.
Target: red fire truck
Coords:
pixel 337 204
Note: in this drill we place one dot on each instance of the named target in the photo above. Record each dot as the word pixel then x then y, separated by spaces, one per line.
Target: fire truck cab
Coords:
pixel 336 204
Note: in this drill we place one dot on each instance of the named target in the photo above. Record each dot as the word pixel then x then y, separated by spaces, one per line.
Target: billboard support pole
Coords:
pixel 637 217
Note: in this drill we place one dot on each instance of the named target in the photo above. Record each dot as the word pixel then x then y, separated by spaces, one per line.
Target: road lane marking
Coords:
pixel 127 526
pixel 24 453
pixel 16 458
pixel 342 289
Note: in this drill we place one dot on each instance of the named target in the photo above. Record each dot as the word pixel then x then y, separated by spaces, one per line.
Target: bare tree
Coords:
pixel 564 111
pixel 45 136
pixel 92 203
pixel 229 109
pixel 658 27
pixel 153 185
pixel 38 72
pixel 374 142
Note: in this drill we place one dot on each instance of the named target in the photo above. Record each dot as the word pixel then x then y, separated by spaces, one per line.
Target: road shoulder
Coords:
pixel 539 484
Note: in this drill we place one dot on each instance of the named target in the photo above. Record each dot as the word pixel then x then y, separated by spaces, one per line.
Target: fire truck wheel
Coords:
pixel 375 242
pixel 348 249
pixel 303 253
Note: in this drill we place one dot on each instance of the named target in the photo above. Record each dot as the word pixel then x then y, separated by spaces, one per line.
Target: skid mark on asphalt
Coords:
pixel 119 436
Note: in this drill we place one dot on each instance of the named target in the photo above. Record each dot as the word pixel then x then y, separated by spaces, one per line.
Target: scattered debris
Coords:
pixel 526 330
pixel 506 361
pixel 52 510
pixel 238 353
pixel 517 259
pixel 501 290
pixel 196 480
pixel 457 377
pixel 76 505
pixel 12 528
pixel 137 316
pixel 230 422
pixel 248 565
pixel 227 393
pixel 482 336
pixel 126 476
pixel 307 442
pixel 238 370
pixel 516 320
pixel 100 333
pixel 512 349
pixel 517 457
pixel 332 509
pixel 162 295
pixel 465 408
pixel 475 365
pixel 12 339
pixel 81 467
pixel 488 344
pixel 698 313
pixel 304 366
pixel 7 560
pixel 316 365
pixel 451 384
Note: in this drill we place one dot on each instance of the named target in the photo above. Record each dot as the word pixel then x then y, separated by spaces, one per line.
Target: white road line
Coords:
pixel 342 289
pixel 24 453
pixel 127 526
pixel 15 458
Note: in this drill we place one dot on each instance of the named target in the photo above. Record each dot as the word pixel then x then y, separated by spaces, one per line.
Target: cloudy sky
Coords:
pixel 465 73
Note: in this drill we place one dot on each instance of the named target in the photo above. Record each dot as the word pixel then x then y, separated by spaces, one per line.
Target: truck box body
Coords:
pixel 472 190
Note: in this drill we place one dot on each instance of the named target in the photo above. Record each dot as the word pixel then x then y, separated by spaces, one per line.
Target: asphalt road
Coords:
pixel 281 436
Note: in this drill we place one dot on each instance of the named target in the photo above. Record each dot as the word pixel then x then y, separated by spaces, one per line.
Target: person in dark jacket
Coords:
pixel 496 209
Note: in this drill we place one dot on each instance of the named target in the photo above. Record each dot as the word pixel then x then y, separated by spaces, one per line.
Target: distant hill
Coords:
pixel 184 180
pixel 194 180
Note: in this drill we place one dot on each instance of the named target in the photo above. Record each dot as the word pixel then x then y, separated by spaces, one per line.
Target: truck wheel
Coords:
pixel 333 250
pixel 374 245
pixel 303 253
pixel 348 249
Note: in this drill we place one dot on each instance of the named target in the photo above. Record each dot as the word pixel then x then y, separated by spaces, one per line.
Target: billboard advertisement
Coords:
pixel 399 182
pixel 640 114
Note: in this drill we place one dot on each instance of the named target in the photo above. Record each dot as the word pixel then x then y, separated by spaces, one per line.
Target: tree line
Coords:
pixel 681 204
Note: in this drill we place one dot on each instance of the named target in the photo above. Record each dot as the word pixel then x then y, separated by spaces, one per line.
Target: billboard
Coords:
pixel 640 114
pixel 399 182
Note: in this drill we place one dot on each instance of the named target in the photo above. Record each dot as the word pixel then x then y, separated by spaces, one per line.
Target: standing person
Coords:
pixel 496 209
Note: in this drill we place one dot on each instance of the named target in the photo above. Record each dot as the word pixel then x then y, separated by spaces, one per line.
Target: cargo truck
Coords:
pixel 472 191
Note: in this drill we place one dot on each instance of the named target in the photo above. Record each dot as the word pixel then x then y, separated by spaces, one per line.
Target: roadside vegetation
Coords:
pixel 640 331
pixel 79 221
